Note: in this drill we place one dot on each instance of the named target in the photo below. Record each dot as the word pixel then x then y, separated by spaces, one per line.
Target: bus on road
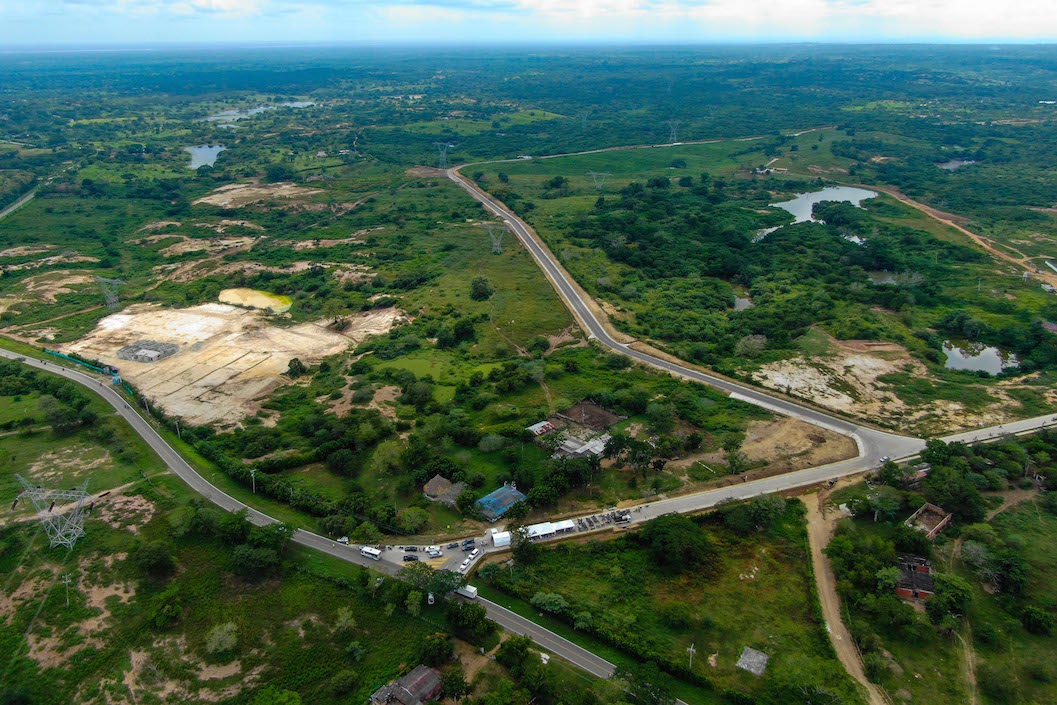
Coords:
pixel 370 552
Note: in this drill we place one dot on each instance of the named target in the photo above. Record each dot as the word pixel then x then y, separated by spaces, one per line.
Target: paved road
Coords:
pixel 19 203
pixel 505 618
pixel 872 444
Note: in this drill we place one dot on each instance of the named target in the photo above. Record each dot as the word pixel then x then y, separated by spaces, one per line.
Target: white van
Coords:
pixel 474 553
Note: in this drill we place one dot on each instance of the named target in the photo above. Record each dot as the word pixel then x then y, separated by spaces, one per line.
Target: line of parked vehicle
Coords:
pixel 617 517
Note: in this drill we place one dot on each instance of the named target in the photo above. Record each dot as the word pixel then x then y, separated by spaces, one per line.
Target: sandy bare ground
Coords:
pixel 238 195
pixel 64 258
pixel 357 236
pixel 25 250
pixel 45 287
pixel 229 358
pixel 209 245
pixel 819 532
pixel 848 380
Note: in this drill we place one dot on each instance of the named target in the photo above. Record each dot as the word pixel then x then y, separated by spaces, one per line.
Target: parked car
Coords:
pixel 453 544
pixel 464 566
pixel 344 540
pixel 409 559
pixel 474 553
pixel 411 549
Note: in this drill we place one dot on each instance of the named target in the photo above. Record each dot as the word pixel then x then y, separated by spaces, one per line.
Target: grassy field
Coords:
pixel 759 594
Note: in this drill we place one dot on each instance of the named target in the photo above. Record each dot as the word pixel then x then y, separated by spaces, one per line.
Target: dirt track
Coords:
pixel 819 531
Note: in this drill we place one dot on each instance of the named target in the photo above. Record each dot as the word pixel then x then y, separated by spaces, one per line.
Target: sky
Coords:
pixel 110 22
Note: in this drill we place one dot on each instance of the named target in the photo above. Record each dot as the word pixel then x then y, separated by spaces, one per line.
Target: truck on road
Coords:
pixel 467 591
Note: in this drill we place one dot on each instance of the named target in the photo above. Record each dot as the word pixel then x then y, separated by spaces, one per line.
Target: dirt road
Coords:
pixel 819 531
pixel 948 219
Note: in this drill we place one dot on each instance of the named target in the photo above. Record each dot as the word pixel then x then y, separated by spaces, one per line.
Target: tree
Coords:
pixel 62 418
pixel 154 560
pixel 481 289
pixel 952 596
pixel 676 542
pixel 252 562
pixel 386 458
pixel 454 684
pixel 550 602
pixel 1037 621
pixel 750 346
pixel 412 520
pixel 887 578
pixel 436 650
pixel 222 638
pixel 295 368
pixel 279 172
pixel 646 684
pixel 272 536
pixel 469 620
pixel 344 620
pixel 413 604
pixel 270 695
pixel 524 549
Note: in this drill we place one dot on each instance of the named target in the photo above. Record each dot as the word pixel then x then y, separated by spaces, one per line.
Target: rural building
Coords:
pixel 440 489
pixel 538 429
pixel 915 578
pixel 147 351
pixel 930 519
pixel 495 504
pixel 547 529
pixel 415 688
pixel 573 447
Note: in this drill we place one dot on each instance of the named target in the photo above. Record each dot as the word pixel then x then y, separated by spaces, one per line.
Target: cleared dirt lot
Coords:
pixel 229 359
pixel 238 195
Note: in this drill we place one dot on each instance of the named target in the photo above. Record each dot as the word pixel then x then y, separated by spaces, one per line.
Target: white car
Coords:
pixel 464 566
pixel 474 553
pixel 344 540
pixel 430 599
pixel 434 552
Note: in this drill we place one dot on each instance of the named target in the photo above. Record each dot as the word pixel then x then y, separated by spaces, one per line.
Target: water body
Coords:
pixel 954 164
pixel 204 154
pixel 801 206
pixel 225 117
pixel 964 355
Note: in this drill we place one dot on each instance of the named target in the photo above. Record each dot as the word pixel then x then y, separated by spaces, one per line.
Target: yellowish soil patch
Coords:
pixel 238 195
pixel 209 245
pixel 127 512
pixel 71 462
pixel 252 298
pixel 848 381
pixel 64 258
pixel 229 359
pixel 385 401
pixel 25 250
pixel 160 225
pixel 223 225
pixel 784 444
pixel 322 244
pixel 424 172
pixel 45 287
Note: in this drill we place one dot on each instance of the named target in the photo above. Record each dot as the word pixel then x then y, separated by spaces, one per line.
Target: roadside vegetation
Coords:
pixel 986 630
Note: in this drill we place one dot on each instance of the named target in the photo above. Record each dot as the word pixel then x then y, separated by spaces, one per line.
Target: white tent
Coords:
pixel 501 539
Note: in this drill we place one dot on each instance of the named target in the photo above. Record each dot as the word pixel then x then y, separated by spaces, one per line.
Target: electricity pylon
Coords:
pixel 672 124
pixel 442 149
pixel 109 287
pixel 599 177
pixel 495 234
pixel 65 528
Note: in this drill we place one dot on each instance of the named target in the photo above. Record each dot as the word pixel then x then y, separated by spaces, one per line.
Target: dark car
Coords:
pixel 411 549
pixel 453 544
pixel 408 559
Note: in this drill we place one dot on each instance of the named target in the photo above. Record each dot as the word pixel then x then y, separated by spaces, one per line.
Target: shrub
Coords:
pixel 481 289
pixel 550 602
pixel 1037 621
pixel 875 667
pixel 222 638
pixel 153 560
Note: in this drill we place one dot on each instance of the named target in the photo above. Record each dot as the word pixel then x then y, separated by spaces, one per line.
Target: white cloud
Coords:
pixel 235 8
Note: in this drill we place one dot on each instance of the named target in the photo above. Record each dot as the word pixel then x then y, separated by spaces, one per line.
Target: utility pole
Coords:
pixel 178 431
pixel 66 580
pixel 253 479
pixel 691 650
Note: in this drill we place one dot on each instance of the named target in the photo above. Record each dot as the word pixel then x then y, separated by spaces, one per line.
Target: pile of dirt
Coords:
pixel 229 359
pixel 239 195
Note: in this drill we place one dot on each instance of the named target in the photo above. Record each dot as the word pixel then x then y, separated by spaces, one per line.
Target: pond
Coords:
pixel 229 116
pixel 801 207
pixel 204 154
pixel 953 164
pixel 976 357
pixel 252 298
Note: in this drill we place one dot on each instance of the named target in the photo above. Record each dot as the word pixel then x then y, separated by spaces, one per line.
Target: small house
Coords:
pixel 539 429
pixel 418 687
pixel 495 504
pixel 930 519
pixel 915 578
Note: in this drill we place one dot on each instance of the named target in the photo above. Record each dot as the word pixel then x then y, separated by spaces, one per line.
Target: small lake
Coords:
pixel 964 355
pixel 801 206
pixel 228 116
pixel 954 164
pixel 204 154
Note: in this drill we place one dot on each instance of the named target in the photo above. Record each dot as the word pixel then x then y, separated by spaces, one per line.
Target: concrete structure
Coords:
pixel 418 687
pixel 495 504
pixel 147 351
pixel 929 519
pixel 753 661
pixel 538 429
pixel 501 539
pixel 547 529
pixel 575 448
pixel 915 578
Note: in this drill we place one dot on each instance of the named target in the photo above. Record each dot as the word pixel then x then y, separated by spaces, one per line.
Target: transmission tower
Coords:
pixel 599 177
pixel 109 287
pixel 495 233
pixel 62 529
pixel 442 149
pixel 672 124
pixel 583 121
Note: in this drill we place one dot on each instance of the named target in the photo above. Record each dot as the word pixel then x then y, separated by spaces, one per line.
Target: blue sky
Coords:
pixel 101 22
